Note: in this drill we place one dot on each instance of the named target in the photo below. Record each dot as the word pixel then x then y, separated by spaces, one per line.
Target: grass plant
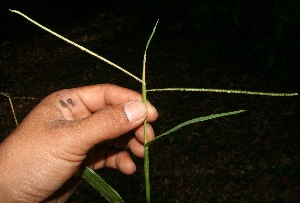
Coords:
pixel 89 175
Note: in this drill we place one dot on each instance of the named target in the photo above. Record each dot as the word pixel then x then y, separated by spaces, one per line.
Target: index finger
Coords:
pixel 96 97
pixel 90 99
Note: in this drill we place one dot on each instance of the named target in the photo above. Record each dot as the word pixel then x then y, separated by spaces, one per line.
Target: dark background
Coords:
pixel 265 31
pixel 249 45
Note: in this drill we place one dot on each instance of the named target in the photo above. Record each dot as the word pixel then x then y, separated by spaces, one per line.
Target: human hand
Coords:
pixel 41 160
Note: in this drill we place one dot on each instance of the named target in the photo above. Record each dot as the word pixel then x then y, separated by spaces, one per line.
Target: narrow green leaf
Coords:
pixel 149 40
pixel 101 186
pixel 195 120
pixel 145 56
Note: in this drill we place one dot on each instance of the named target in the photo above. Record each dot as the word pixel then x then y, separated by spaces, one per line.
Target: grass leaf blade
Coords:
pixel 92 178
pixel 195 120
pixel 149 39
pixel 145 53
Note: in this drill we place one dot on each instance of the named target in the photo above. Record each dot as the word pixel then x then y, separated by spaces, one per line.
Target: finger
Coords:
pixel 81 102
pixel 120 160
pixel 123 162
pixel 98 96
pixel 108 123
pixel 139 133
pixel 136 147
pixel 136 144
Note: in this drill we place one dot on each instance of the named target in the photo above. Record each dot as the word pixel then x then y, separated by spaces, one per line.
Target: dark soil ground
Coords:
pixel 250 157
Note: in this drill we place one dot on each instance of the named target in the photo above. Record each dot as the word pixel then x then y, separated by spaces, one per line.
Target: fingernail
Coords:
pixel 135 110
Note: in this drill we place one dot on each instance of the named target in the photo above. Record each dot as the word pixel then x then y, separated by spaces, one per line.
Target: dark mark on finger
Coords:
pixel 63 104
pixel 70 101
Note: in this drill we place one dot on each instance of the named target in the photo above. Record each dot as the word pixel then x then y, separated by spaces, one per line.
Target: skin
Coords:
pixel 41 161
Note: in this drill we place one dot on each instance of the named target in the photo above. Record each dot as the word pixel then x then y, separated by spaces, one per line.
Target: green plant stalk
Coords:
pixel 146 149
pixel 147 174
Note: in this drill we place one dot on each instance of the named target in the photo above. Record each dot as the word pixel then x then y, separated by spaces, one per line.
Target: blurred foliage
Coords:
pixel 265 31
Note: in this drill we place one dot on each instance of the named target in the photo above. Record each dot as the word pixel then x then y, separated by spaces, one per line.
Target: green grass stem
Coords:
pixel 146 149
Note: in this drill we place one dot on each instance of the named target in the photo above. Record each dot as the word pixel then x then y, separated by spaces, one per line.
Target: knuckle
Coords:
pixel 114 118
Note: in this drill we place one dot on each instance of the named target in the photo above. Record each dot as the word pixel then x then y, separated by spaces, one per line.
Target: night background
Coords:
pixel 236 44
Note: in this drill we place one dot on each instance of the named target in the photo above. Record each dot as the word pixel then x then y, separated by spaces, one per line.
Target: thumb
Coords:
pixel 110 123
